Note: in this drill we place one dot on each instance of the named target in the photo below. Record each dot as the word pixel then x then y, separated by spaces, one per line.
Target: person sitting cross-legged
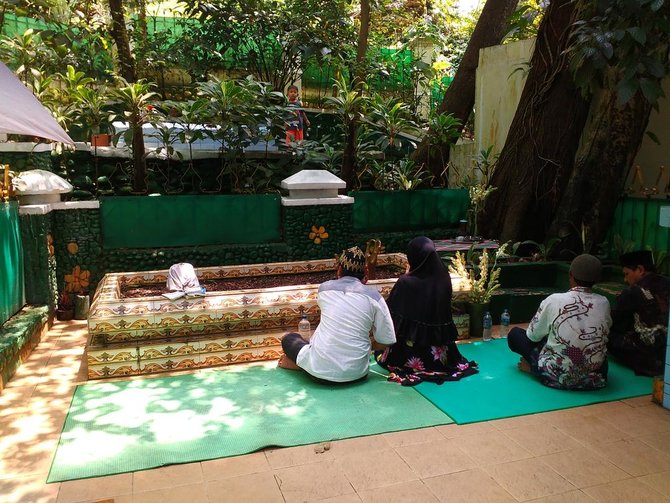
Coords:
pixel 565 345
pixel 420 305
pixel 354 320
pixel 640 316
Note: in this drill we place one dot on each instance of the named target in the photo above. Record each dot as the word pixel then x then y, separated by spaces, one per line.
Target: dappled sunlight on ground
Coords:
pixel 633 454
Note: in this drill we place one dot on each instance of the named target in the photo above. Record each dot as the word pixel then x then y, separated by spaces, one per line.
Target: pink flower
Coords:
pixel 437 352
pixel 415 363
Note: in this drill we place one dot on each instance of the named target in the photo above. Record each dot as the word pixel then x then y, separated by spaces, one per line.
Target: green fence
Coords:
pixel 167 221
pixel 317 79
pixel 408 210
pixel 636 226
pixel 11 262
pixel 16 25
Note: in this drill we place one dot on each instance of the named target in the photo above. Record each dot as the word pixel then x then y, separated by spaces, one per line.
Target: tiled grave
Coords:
pixel 131 336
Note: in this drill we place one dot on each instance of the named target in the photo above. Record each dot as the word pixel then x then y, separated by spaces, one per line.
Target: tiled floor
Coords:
pixel 611 452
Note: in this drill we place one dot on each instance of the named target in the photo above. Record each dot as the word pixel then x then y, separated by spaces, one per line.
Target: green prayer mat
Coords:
pixel 501 390
pixel 117 427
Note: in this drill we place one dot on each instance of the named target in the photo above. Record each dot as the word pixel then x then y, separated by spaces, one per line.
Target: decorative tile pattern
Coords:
pixel 109 370
pixel 155 334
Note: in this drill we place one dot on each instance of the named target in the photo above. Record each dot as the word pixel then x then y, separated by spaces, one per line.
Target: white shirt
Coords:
pixel 339 350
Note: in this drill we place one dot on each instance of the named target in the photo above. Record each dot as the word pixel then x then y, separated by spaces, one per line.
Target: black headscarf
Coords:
pixel 420 301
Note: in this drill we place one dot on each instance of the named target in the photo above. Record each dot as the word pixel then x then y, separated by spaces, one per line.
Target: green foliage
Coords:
pixel 396 175
pixel 622 45
pixel 136 103
pixel 75 52
pixel 480 171
pixel 407 175
pixel 391 118
pixel 661 260
pixel 525 21
pixel 619 245
pixel 443 131
pixel 478 182
pixel 348 104
pixel 27 54
pixel 62 34
pixel 237 109
pixel 323 155
pixel 272 39
pixel 167 137
pixel 542 251
pixel 189 115
pixel 93 108
pixel 161 51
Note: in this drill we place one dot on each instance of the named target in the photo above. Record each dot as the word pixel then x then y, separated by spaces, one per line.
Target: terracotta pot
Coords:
pixel 101 140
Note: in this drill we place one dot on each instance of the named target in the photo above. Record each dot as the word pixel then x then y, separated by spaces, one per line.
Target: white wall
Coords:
pixel 651 155
pixel 500 77
pixel 498 90
pixel 501 74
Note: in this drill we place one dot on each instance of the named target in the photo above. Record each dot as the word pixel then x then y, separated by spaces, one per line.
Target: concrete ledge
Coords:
pixel 43 209
pixel 19 336
pixel 24 146
pixel 317 201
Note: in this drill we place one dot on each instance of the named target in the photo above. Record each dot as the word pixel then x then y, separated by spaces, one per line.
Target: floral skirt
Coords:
pixel 411 364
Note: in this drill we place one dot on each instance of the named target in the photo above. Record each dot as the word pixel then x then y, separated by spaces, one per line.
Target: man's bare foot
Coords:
pixel 523 365
pixel 286 363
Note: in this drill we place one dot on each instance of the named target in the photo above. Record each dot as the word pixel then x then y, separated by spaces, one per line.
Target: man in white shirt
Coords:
pixel 354 320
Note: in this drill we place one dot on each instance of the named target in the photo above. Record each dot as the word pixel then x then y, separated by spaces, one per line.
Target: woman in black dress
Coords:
pixel 420 305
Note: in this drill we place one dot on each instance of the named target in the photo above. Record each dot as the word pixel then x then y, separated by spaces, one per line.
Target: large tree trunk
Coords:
pixel 139 162
pixel 460 95
pixel 349 154
pixel 142 23
pixel 362 45
pixel 120 35
pixel 537 158
pixel 128 72
pixel 609 146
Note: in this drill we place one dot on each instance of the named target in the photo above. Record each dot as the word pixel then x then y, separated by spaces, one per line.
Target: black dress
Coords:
pixel 420 305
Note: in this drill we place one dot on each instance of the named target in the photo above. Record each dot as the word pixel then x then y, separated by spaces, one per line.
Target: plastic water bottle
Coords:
pixel 304 328
pixel 504 323
pixel 488 323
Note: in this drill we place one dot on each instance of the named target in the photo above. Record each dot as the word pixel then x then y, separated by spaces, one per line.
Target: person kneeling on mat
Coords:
pixel 354 320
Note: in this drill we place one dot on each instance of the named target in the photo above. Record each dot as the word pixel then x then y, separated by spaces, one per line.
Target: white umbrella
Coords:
pixel 22 113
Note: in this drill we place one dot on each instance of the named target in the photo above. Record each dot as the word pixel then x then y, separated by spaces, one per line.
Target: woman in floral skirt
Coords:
pixel 420 305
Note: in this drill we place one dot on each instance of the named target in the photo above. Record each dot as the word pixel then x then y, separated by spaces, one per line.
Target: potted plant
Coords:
pixel 481 279
pixel 93 112
pixel 478 182
pixel 65 308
